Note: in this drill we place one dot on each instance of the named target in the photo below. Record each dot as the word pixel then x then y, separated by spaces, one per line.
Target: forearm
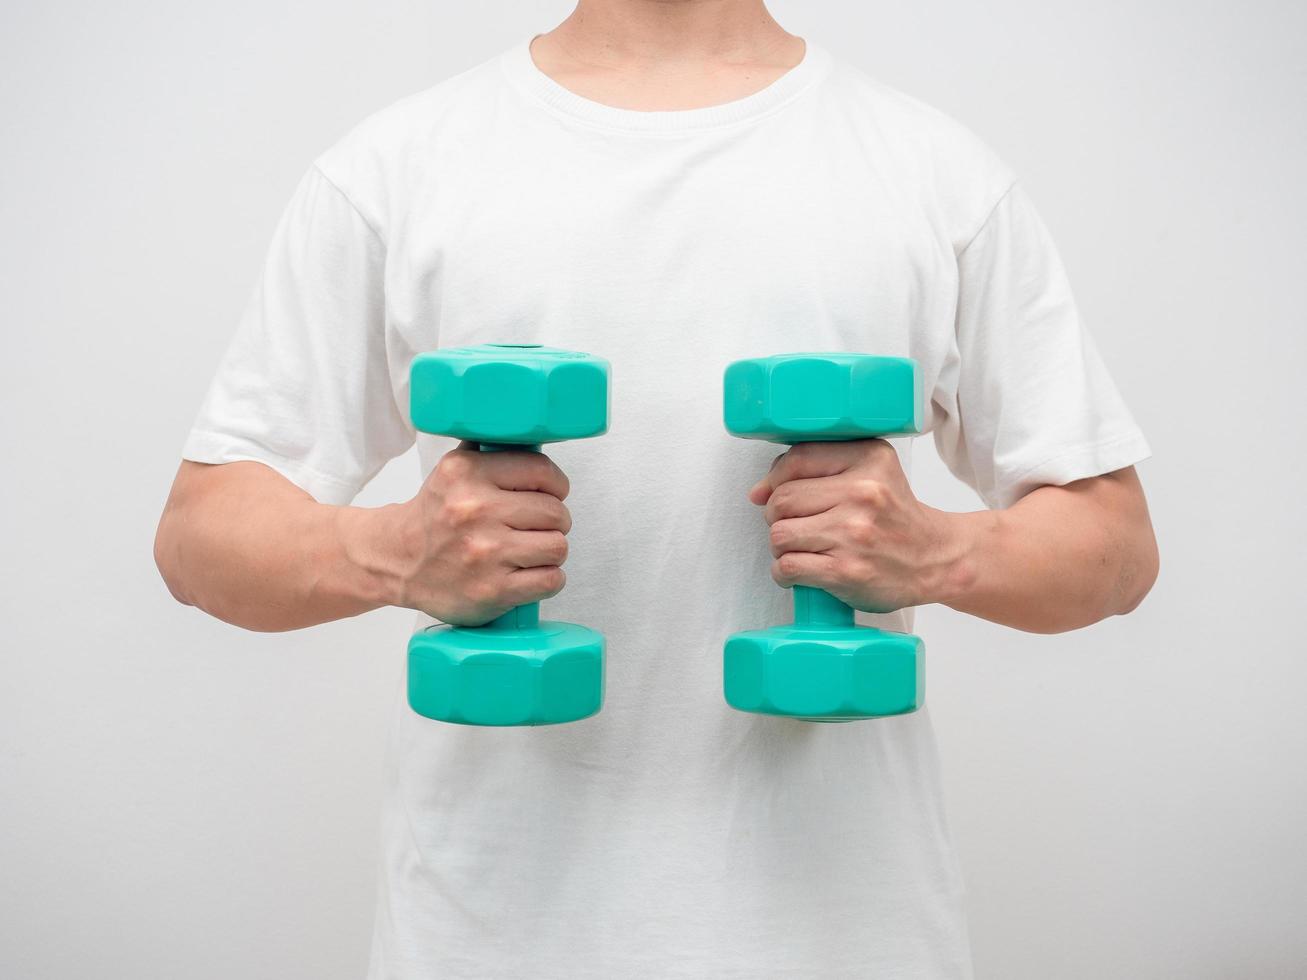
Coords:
pixel 247 546
pixel 1059 559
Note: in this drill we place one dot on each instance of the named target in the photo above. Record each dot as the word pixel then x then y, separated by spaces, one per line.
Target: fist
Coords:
pixel 486 532
pixel 843 518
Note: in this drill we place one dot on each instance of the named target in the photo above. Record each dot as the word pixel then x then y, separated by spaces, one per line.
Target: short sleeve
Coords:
pixel 305 386
pixel 1027 400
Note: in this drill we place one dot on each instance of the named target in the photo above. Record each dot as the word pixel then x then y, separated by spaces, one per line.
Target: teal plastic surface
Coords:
pixel 793 398
pixel 544 673
pixel 509 393
pixel 823 667
pixel 515 670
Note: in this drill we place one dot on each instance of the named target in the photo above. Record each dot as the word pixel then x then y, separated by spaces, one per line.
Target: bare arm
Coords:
pixel 246 545
pixel 844 519
pixel 485 533
pixel 1060 557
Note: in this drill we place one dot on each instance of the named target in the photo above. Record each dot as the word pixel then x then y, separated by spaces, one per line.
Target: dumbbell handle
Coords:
pixel 816 608
pixel 519 617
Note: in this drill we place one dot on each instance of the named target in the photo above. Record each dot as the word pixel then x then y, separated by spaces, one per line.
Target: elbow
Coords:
pixel 1134 571
pixel 1138 574
pixel 167 550
pixel 169 546
pixel 1135 574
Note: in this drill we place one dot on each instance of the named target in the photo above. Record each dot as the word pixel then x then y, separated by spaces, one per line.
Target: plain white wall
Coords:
pixel 179 798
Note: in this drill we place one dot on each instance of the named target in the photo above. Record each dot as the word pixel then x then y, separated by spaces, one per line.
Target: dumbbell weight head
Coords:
pixel 510 394
pixel 792 398
pixel 516 670
pixel 823 667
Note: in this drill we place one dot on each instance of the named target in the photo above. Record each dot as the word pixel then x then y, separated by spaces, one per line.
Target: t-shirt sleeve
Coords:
pixel 1027 400
pixel 305 386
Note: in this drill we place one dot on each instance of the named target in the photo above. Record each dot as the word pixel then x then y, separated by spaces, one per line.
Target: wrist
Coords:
pixel 372 546
pixel 963 541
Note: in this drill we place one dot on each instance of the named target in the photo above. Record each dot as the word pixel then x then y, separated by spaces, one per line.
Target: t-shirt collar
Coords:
pixel 522 70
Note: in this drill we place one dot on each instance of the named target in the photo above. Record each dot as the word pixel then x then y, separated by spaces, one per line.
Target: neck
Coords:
pixel 672 35
pixel 654 55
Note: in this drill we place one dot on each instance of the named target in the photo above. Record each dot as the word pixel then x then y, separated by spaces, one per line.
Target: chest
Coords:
pixel 674 253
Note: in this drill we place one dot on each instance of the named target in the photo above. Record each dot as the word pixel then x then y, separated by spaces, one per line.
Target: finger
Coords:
pixel 525 585
pixel 522 469
pixel 804 534
pixel 803 498
pixel 803 568
pixel 806 461
pixel 759 492
pixel 531 510
pixel 533 549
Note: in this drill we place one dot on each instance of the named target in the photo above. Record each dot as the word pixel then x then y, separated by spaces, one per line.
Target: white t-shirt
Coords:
pixel 668 836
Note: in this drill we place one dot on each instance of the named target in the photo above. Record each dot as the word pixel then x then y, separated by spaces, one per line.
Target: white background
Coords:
pixel 182 799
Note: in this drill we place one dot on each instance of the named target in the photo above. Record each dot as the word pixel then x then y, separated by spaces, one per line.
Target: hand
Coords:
pixel 484 534
pixel 843 518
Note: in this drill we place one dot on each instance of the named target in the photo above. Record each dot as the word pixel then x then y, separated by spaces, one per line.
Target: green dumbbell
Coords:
pixel 824 667
pixel 517 669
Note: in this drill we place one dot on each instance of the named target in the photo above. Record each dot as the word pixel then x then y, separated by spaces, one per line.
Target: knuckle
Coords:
pixel 463 510
pixel 780 534
pixel 554 580
pixel 545 585
pixel 455 464
pixel 477 548
pixel 564 518
pixel 802 451
pixel 788 565
pixel 548 473
pixel 870 490
pixel 883 457
pixel 556 550
pixel 860 528
pixel 564 484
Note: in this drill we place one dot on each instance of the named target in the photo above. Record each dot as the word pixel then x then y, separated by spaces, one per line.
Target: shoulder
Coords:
pixel 373 161
pixel 949 165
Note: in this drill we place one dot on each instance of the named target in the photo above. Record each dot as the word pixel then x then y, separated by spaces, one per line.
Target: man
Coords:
pixel 672 186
